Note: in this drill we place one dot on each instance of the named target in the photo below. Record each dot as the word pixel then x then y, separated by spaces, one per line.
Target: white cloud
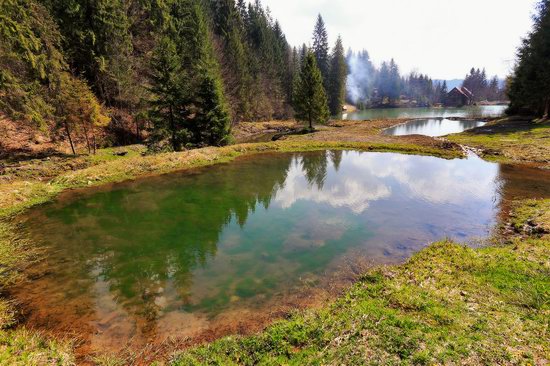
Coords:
pixel 351 193
pixel 367 177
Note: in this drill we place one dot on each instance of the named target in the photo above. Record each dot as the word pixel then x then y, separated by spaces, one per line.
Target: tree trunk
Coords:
pixel 310 121
pixel 173 128
pixel 138 130
pixel 69 136
pixel 94 145
pixel 546 109
pixel 87 140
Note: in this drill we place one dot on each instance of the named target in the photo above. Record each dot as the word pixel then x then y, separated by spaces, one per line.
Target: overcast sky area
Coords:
pixel 443 38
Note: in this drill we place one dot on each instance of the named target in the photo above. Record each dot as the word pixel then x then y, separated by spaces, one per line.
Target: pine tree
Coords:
pixel 169 106
pixel 97 38
pixel 212 122
pixel 188 83
pixel 310 99
pixel 234 58
pixel 493 89
pixel 31 61
pixel 394 81
pixel 337 79
pixel 321 49
pixel 444 92
pixel 529 88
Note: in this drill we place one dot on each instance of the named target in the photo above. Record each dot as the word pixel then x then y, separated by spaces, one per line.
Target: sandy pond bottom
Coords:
pixel 225 249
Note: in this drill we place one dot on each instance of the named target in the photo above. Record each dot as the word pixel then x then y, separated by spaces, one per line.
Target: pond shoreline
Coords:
pixel 22 194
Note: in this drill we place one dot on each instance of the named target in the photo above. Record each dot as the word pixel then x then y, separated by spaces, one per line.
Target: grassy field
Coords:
pixel 510 140
pixel 448 304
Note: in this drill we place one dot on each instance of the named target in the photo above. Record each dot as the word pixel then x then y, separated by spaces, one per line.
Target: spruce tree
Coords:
pixel 97 40
pixel 169 106
pixel 337 79
pixel 310 99
pixel 190 105
pixel 444 91
pixel 394 81
pixel 529 89
pixel 321 49
pixel 212 123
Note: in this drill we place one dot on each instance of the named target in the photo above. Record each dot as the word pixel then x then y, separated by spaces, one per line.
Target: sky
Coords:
pixel 442 38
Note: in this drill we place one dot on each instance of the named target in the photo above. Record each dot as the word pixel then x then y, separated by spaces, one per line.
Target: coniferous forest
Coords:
pixel 182 73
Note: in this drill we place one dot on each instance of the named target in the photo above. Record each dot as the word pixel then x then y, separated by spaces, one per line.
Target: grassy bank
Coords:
pixel 448 304
pixel 510 140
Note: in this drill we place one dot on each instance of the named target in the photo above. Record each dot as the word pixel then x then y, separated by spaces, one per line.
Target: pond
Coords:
pixel 227 248
pixel 394 113
pixel 432 127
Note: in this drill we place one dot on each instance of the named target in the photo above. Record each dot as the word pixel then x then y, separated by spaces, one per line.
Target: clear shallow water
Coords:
pixel 432 127
pixel 394 113
pixel 225 248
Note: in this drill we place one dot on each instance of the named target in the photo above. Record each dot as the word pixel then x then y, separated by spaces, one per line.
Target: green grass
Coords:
pixel 510 139
pixel 531 214
pixel 23 348
pixel 448 304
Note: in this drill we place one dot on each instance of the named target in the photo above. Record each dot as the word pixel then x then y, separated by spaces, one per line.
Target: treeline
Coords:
pixel 371 86
pixel 529 89
pixel 179 72
pixel 482 88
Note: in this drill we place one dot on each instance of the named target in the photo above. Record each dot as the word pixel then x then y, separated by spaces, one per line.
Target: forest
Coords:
pixel 182 73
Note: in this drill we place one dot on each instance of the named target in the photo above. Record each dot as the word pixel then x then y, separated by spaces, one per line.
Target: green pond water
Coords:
pixel 221 249
pixel 393 113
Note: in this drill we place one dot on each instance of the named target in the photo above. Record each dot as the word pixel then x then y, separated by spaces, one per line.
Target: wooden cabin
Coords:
pixel 458 97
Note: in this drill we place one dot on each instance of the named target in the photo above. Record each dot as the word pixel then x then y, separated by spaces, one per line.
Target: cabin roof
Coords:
pixel 464 91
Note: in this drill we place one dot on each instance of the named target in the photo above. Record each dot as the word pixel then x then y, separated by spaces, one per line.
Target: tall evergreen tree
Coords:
pixel 321 49
pixel 98 42
pixel 229 27
pixel 337 78
pixel 310 99
pixel 476 82
pixel 394 81
pixel 444 91
pixel 169 107
pixel 189 107
pixel 529 88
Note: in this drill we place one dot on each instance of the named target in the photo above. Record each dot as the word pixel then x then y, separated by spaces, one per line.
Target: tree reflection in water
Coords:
pixel 162 255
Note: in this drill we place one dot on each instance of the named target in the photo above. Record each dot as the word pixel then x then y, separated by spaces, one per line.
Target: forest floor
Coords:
pixel 446 304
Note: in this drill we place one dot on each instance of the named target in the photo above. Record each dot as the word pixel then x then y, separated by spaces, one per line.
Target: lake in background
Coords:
pixel 394 113
pixel 226 248
pixel 432 127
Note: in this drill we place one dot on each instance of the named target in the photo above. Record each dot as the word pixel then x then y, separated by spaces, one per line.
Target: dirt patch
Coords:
pixel 248 131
